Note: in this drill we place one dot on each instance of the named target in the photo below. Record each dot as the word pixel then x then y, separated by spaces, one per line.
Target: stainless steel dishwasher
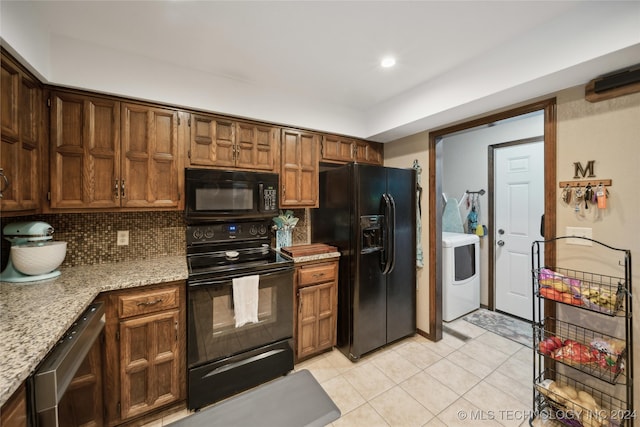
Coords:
pixel 54 374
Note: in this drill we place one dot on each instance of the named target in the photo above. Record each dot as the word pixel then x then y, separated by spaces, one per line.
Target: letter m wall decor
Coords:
pixel 584 172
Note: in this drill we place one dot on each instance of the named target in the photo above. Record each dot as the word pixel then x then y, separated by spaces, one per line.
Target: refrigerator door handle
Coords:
pixel 391 223
pixel 384 254
pixel 387 252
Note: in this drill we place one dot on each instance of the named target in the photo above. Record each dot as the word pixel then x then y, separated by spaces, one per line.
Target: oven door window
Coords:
pixel 213 334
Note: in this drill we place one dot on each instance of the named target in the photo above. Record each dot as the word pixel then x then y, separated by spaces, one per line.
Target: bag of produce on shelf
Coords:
pixel 543 386
pixel 612 364
pixel 562 394
pixel 552 391
pixel 574 353
pixel 609 345
pixel 601 298
pixel 591 414
pixel 566 297
pixel 557 281
pixel 578 406
pixel 609 353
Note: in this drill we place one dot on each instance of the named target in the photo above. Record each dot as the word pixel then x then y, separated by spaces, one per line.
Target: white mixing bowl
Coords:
pixel 38 258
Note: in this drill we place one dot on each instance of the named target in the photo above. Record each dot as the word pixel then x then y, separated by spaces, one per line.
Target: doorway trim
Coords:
pixel 436 204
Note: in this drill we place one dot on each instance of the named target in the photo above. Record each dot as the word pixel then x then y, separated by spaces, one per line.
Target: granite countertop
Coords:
pixel 35 315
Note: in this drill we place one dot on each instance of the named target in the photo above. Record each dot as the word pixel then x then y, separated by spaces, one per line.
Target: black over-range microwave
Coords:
pixel 213 194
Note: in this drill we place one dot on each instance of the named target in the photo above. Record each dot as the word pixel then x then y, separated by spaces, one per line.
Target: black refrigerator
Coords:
pixel 369 213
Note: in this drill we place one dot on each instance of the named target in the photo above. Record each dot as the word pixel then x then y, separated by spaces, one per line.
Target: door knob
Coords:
pixel 500 242
pixel 501 231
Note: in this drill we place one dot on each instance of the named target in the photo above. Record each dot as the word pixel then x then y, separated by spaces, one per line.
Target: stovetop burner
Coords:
pixel 231 248
pixel 227 261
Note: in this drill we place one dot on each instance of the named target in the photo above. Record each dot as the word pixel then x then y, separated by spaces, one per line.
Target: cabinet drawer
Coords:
pixel 317 274
pixel 147 302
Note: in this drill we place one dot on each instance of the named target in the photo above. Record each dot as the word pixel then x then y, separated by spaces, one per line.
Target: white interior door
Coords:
pixel 519 205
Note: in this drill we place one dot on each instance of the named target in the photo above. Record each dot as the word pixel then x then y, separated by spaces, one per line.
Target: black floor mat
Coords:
pixel 293 401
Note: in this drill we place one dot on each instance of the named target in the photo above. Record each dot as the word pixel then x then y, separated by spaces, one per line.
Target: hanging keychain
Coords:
pixel 601 194
pixel 588 195
pixel 566 194
pixel 579 194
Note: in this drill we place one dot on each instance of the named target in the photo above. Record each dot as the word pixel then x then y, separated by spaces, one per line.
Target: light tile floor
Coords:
pixel 485 380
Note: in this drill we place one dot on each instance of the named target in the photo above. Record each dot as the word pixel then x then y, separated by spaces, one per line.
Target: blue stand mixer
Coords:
pixel 34 256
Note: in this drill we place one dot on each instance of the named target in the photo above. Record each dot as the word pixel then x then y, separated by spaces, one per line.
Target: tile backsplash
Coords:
pixel 91 237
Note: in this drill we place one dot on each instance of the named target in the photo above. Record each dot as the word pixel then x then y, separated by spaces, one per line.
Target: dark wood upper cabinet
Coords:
pixel 220 142
pixel 256 145
pixel 108 154
pixel 84 151
pixel 369 152
pixel 20 149
pixel 339 149
pixel 212 141
pixel 299 169
pixel 149 157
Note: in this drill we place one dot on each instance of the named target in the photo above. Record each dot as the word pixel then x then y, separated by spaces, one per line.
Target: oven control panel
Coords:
pixel 227 231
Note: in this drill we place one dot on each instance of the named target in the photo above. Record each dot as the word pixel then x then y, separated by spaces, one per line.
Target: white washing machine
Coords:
pixel 460 274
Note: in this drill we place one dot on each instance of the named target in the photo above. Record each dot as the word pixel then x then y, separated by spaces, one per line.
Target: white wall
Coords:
pixel 465 167
pixel 401 154
pixel 70 62
pixel 85 65
pixel 606 132
pixel 480 84
pixel 25 36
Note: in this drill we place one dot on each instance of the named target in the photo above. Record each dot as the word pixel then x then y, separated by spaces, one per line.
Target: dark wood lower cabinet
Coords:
pixel 145 361
pixel 149 363
pixel 82 403
pixel 14 412
pixel 316 284
pixel 316 319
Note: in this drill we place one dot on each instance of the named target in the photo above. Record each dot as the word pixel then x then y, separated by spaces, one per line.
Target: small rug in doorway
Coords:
pixel 295 400
pixel 506 326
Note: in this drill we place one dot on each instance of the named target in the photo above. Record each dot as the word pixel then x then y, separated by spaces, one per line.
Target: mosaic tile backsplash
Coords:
pixel 91 237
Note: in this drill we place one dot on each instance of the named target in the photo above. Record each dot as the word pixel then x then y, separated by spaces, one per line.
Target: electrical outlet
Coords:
pixel 579 232
pixel 123 238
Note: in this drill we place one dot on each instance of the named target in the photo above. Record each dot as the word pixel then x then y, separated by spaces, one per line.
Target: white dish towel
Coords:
pixel 245 299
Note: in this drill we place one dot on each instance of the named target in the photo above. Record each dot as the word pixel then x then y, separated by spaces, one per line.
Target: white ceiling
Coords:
pixel 315 64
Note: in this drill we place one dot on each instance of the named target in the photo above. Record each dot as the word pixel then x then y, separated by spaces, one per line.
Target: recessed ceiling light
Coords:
pixel 388 62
